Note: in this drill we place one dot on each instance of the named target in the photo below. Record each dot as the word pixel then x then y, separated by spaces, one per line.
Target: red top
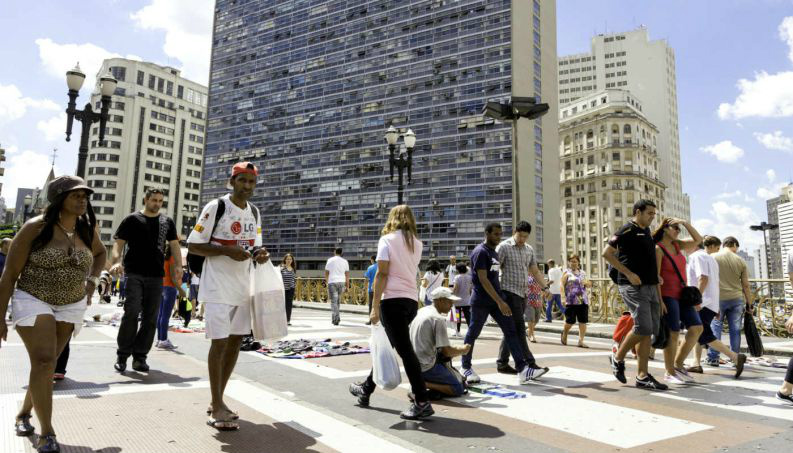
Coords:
pixel 166 279
pixel 672 286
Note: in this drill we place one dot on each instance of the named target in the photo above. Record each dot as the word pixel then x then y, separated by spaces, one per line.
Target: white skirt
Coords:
pixel 25 308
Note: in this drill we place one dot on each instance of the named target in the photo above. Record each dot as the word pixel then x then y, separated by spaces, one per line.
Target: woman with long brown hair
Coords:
pixel 395 303
pixel 54 262
pixel 288 269
pixel 671 263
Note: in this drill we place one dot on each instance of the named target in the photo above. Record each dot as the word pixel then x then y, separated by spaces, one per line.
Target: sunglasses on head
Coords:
pixel 675 227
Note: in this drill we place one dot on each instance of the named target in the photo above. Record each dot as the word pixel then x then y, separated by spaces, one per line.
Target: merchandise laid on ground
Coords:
pixel 304 405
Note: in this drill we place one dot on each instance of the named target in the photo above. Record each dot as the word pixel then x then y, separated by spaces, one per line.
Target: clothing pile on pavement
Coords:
pixel 195 326
pixel 310 349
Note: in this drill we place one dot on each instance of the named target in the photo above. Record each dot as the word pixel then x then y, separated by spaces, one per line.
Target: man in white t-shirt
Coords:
pixel 337 276
pixel 555 286
pixel 451 270
pixel 229 244
pixel 703 271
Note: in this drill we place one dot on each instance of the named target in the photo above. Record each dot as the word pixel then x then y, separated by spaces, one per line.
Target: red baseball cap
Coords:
pixel 244 167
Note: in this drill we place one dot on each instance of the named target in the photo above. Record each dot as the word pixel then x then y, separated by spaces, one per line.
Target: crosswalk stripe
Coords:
pixel 767 406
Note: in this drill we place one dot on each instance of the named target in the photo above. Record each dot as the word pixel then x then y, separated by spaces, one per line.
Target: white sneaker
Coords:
pixel 684 375
pixel 673 379
pixel 529 374
pixel 470 376
pixel 165 344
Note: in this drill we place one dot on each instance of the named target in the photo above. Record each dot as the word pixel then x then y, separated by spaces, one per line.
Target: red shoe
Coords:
pixel 59 376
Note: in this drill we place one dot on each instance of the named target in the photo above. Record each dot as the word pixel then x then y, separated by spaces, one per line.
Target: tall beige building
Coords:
pixel 608 153
pixel 155 138
pixel 632 62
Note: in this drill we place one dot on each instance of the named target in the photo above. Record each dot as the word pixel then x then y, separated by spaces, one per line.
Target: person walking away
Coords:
pixel 462 289
pixel 631 253
pixel 671 264
pixel 337 277
pixel 432 279
pixel 195 282
pixel 145 235
pixel 487 300
pixel 51 274
pixel 703 271
pixel 371 271
pixel 395 304
pixel 555 286
pixel 229 244
pixel 534 296
pixel 734 295
pixel 5 245
pixel 574 294
pixel 433 349
pixel 171 286
pixel 289 274
pixel 785 393
pixel 451 270
pixel 517 262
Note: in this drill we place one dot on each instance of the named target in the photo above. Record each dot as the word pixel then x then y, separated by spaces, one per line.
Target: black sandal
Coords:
pixel 23 427
pixel 50 445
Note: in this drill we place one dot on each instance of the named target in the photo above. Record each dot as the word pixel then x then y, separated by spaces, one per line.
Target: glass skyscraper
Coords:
pixel 307 88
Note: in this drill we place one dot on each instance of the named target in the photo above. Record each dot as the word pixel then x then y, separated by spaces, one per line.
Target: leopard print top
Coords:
pixel 54 277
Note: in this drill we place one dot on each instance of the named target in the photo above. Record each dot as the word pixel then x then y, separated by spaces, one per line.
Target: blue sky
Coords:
pixel 717 44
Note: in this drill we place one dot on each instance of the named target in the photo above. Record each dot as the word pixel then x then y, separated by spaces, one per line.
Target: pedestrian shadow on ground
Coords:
pixel 275 438
pixel 85 389
pixel 449 427
pixel 68 448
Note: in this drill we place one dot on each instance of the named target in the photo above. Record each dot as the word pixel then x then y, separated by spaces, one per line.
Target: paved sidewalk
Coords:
pixel 772 346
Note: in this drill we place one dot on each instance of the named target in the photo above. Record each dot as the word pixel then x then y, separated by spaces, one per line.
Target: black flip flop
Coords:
pixel 217 425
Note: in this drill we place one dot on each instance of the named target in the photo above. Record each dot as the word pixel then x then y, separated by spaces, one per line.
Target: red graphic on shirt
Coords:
pixel 236 228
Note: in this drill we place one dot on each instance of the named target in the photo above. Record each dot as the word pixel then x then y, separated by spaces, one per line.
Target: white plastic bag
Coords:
pixel 385 366
pixel 268 303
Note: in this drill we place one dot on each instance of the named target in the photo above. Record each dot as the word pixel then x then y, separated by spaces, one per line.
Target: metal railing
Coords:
pixel 605 302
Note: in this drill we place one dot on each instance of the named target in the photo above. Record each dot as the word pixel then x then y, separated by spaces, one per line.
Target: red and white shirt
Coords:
pixel 224 280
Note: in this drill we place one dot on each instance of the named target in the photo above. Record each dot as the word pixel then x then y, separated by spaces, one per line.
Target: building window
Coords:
pixel 152 81
pixel 141 78
pixel 119 72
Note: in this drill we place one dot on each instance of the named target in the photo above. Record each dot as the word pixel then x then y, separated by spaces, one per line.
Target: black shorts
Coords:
pixel 576 312
pixel 707 336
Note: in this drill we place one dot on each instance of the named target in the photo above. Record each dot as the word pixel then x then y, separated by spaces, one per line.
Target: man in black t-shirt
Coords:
pixel 631 251
pixel 145 234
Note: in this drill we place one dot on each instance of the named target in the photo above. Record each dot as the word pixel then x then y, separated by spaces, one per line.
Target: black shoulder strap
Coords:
pixel 674 265
pixel 221 209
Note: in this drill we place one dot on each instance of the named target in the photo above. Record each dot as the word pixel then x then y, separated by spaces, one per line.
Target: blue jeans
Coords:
pixel 166 308
pixel 335 291
pixel 555 299
pixel 480 309
pixel 732 311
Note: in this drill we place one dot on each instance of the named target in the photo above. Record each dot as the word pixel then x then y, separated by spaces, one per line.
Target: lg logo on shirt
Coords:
pixel 237 228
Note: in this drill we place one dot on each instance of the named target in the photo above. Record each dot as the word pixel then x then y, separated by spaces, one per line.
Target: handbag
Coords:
pixel 753 340
pixel 690 295
pixel 268 306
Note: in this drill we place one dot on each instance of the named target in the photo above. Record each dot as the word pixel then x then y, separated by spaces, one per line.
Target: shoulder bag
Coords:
pixel 690 295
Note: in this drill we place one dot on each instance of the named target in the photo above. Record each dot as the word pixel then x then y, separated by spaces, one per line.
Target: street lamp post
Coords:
pixel 107 86
pixel 397 159
pixel 764 226
pixel 26 213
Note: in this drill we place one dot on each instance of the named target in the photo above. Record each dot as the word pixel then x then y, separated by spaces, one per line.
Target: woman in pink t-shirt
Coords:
pixel 395 303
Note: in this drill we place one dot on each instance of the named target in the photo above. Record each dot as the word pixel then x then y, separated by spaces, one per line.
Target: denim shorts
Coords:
pixel 677 314
pixel 439 374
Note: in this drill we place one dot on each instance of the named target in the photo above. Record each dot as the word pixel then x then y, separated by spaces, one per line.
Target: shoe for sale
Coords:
pixel 166 344
pixel 740 361
pixel 357 390
pixel 418 411
pixel 786 398
pixel 140 365
pixel 470 376
pixel 649 383
pixel 618 368
pixel 683 374
pixel 506 369
pixel 673 379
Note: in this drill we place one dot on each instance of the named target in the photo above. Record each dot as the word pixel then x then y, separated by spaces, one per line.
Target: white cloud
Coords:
pixel 54 129
pixel 729 195
pixel 728 219
pixel 724 151
pixel 188 32
pixel 25 169
pixel 765 193
pixel 771 175
pixel 786 34
pixel 13 105
pixel 775 140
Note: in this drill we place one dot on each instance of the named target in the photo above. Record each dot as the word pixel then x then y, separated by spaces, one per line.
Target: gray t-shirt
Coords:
pixel 462 289
pixel 428 333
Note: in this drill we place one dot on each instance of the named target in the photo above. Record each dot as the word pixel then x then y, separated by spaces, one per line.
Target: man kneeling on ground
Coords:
pixel 431 343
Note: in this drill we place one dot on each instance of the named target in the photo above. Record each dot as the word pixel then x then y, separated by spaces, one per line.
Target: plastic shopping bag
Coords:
pixel 268 304
pixel 385 366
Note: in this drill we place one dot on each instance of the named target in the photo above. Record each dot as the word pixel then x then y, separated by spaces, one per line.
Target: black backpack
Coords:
pixel 195 263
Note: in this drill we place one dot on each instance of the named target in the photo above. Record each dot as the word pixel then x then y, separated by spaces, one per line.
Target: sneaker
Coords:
pixel 417 411
pixel 618 368
pixel 58 376
pixel 683 374
pixel 713 363
pixel 673 379
pixel 739 363
pixel 470 376
pixel 357 389
pixel 649 383
pixel 530 373
pixel 786 398
pixel 166 344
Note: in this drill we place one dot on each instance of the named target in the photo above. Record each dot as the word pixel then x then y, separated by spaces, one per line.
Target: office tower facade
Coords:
pixel 154 139
pixel 306 90
pixel 609 160
pixel 785 211
pixel 774 236
pixel 632 62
